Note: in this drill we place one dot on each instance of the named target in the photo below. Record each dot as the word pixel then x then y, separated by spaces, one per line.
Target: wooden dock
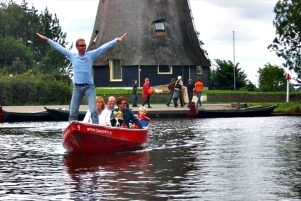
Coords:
pixel 157 110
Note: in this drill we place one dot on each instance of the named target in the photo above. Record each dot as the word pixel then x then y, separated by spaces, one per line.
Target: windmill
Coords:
pixel 161 43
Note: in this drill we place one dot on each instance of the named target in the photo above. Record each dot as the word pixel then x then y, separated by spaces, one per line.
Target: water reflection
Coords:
pixel 289 169
pixel 107 176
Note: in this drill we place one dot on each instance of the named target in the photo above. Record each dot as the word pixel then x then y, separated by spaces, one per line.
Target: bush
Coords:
pixel 34 90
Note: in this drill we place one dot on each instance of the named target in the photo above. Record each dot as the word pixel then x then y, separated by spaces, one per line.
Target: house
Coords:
pixel 161 43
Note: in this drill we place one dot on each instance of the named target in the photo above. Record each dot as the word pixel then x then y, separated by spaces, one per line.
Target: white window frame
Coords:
pixel 170 69
pixel 160 28
pixel 199 70
pixel 114 64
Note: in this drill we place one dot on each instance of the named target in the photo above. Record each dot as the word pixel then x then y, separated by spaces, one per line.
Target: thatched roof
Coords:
pixel 180 46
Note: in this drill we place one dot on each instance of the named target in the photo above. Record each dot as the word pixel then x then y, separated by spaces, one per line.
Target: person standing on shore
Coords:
pixel 134 93
pixel 189 87
pixel 182 90
pixel 177 94
pixel 82 62
pixel 171 88
pixel 198 86
pixel 145 93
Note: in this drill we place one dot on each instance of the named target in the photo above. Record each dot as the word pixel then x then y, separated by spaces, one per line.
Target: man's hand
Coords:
pixel 42 37
pixel 120 39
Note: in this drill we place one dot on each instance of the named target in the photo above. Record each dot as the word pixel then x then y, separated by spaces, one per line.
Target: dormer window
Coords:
pixel 159 28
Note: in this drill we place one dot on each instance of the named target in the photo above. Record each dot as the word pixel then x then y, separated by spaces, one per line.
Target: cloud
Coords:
pixel 239 30
pixel 257 10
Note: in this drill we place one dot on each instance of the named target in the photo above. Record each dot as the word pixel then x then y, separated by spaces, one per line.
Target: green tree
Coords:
pixel 213 81
pixel 11 48
pixel 52 60
pixel 20 23
pixel 250 86
pixel 224 75
pixel 271 78
pixel 288 29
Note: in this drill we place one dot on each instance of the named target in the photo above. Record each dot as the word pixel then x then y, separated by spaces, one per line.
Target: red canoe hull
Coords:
pixel 91 138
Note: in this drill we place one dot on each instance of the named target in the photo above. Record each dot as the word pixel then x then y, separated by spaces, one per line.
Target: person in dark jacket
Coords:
pixel 177 94
pixel 128 116
pixel 171 88
pixel 190 87
pixel 134 93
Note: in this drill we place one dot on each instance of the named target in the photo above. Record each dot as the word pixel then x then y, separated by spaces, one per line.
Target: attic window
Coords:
pixel 159 26
pixel 160 29
pixel 164 69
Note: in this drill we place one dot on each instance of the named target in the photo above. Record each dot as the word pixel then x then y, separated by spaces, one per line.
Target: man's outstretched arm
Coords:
pixel 105 47
pixel 55 45
pixel 120 39
pixel 42 37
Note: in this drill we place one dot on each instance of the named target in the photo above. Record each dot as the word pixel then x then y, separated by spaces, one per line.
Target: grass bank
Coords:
pixel 290 108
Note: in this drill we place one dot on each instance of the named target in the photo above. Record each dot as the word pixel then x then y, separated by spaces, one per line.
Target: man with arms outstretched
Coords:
pixel 82 62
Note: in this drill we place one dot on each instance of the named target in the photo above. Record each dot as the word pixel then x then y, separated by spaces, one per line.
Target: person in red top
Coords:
pixel 198 87
pixel 145 94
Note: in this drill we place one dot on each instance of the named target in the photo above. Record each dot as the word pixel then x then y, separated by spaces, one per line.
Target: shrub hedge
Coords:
pixel 34 90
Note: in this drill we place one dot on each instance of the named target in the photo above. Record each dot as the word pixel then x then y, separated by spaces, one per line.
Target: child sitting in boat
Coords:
pixel 117 121
pixel 142 116
pixel 143 119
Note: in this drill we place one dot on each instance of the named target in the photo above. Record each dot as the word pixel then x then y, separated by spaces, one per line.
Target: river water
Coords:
pixel 185 159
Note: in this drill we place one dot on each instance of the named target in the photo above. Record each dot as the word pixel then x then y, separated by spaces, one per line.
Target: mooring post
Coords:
pixel 1 115
pixel 192 110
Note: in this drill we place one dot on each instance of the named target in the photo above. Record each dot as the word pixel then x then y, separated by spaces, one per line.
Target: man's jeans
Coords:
pixel 199 95
pixel 78 93
pixel 169 98
pixel 190 96
pixel 135 99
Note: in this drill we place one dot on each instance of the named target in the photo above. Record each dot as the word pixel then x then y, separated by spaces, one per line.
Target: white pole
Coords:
pixel 234 61
pixel 287 90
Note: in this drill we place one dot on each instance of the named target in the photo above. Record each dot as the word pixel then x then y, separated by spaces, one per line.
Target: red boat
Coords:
pixel 87 138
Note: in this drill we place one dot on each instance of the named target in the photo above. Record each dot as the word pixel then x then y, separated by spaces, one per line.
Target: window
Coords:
pixel 164 69
pixel 199 70
pixel 115 70
pixel 160 28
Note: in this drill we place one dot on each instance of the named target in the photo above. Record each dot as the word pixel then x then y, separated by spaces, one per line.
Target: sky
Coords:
pixel 235 30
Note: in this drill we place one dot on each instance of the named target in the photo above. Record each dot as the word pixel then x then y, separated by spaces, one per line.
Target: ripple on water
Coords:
pixel 185 159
